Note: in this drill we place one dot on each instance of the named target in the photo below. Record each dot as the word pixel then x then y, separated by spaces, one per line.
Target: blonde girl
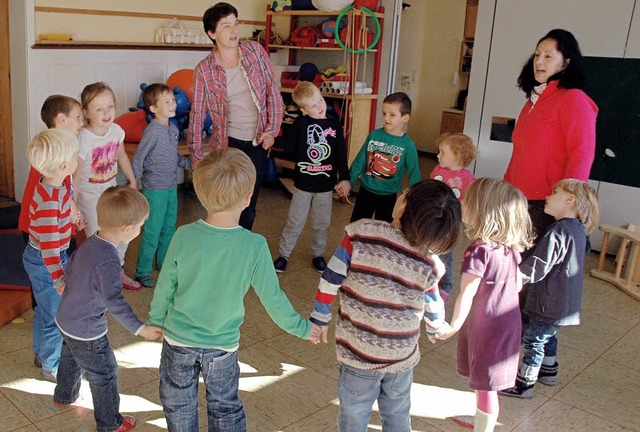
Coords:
pixel 486 312
pixel 101 153
pixel 554 273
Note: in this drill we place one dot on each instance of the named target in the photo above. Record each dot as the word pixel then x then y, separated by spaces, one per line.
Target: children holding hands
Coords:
pixel 54 153
pixel 386 275
pixel 486 312
pixel 93 287
pixel 554 272
pixel 455 152
pixel 320 152
pixel 57 112
pixel 382 161
pixel 198 300
pixel 155 167
pixel 101 153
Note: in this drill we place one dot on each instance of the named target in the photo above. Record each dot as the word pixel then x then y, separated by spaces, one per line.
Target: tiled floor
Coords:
pixel 290 385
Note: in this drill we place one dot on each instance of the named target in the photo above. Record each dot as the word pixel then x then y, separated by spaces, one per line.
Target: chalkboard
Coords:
pixel 614 85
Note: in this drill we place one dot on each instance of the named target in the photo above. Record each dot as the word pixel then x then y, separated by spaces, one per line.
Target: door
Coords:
pixel 6 128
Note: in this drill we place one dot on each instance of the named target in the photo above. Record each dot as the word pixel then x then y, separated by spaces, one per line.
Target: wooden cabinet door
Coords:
pixel 451 122
pixel 470 21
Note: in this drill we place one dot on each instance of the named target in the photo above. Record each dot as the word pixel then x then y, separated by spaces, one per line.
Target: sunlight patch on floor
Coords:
pixel 250 384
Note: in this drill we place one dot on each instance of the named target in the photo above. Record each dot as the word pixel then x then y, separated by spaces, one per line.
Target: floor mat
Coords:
pixel 12 273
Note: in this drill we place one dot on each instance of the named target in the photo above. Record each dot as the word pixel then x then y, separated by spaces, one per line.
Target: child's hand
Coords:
pixel 445 332
pixel 314 336
pixel 323 332
pixel 80 222
pixel 151 332
pixel 343 188
pixel 61 288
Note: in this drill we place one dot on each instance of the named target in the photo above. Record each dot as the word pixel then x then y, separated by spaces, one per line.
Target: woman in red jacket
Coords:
pixel 555 135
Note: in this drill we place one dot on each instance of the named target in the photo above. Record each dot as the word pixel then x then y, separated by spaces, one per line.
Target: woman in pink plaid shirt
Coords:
pixel 235 83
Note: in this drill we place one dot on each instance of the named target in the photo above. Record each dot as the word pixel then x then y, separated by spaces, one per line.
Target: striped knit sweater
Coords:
pixel 386 287
pixel 50 226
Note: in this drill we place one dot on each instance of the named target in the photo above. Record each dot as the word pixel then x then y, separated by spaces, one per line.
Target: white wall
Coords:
pixel 506 37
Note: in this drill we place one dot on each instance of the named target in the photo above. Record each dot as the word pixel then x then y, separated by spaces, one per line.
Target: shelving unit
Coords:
pixel 359 113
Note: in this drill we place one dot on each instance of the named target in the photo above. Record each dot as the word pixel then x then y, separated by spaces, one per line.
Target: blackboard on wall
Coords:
pixel 614 85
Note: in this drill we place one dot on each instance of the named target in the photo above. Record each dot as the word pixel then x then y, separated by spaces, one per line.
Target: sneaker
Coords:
pixel 146 281
pixel 465 421
pixel 128 424
pixel 49 375
pixel 280 264
pixel 129 283
pixel 548 374
pixel 37 361
pixel 521 390
pixel 319 264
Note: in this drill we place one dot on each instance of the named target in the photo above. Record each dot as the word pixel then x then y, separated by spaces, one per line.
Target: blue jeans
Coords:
pixel 358 389
pixel 47 340
pixel 258 156
pixel 446 282
pixel 96 358
pixel 180 368
pixel 538 340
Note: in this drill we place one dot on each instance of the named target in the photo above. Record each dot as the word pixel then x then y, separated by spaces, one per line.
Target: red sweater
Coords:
pixel 50 226
pixel 27 198
pixel 552 141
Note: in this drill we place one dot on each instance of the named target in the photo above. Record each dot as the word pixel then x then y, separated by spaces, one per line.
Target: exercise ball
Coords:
pixel 331 5
pixel 328 28
pixel 182 78
pixel 307 72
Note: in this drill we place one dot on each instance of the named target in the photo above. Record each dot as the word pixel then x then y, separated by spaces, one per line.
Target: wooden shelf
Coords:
pixel 337 96
pixel 101 45
pixel 317 13
pixel 293 47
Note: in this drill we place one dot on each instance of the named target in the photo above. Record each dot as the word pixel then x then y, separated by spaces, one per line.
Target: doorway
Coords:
pixel 432 35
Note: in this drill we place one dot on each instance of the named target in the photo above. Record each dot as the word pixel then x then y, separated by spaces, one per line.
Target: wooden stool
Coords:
pixel 627 259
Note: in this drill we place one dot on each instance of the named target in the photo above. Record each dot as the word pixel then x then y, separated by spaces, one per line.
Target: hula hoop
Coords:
pixel 375 39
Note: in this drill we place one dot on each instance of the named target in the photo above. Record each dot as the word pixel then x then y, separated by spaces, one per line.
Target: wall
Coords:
pixel 506 38
pixel 431 37
pixel 129 29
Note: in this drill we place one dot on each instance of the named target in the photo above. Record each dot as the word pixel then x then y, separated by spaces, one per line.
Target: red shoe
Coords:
pixel 128 424
pixel 465 421
pixel 129 283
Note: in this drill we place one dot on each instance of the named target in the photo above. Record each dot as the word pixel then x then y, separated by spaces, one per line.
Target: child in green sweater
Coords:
pixel 198 300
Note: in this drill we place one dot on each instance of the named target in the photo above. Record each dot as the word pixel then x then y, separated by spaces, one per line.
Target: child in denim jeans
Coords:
pixel 94 286
pixel 54 154
pixel 198 300
pixel 555 278
pixel 387 277
pixel 455 152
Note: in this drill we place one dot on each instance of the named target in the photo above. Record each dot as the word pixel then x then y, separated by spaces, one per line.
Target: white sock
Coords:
pixel 484 422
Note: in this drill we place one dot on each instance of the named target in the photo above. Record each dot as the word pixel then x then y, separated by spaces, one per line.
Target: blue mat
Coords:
pixel 11 269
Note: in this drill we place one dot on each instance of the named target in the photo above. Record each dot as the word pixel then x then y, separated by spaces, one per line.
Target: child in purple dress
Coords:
pixel 486 311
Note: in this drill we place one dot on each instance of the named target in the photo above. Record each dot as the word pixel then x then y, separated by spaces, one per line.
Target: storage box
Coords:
pixel 175 33
pixel 289 79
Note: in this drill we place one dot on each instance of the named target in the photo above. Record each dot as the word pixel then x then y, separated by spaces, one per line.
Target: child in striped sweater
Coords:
pixel 54 153
pixel 387 276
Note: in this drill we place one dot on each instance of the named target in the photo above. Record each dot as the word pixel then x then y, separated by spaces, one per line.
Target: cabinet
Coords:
pixel 469 33
pixel 470 20
pixel 452 121
pixel 358 111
